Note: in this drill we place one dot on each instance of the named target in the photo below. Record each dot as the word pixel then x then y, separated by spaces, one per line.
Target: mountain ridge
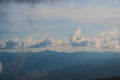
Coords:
pixel 52 65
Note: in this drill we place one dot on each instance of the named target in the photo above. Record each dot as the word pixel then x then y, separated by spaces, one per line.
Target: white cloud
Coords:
pixel 105 40
pixel 15 43
pixel 28 42
pixel 56 42
pixel 77 39
pixel 2 45
pixel 43 43
pixel 108 39
pixel 47 42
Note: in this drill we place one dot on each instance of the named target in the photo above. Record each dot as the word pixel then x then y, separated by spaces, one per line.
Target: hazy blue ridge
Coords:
pixel 52 65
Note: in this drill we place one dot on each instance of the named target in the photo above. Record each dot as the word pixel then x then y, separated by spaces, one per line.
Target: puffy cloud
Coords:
pixel 77 39
pixel 104 41
pixel 47 42
pixel 13 43
pixel 108 39
pixel 16 43
pixel 2 45
pixel 1 66
pixel 43 43
pixel 28 42
pixel 56 42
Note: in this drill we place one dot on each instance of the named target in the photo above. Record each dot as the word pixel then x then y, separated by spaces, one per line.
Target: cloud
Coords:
pixel 105 40
pixel 17 43
pixel 29 1
pixel 77 39
pixel 2 45
pixel 43 43
pixel 13 43
pixel 21 17
pixel 28 42
pixel 48 42
pixel 1 66
pixel 77 13
pixel 108 39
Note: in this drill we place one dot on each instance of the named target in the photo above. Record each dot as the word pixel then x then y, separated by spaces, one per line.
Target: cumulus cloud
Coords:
pixel 17 43
pixel 28 42
pixel 48 42
pixel 2 45
pixel 108 39
pixel 13 43
pixel 77 39
pixel 43 43
pixel 105 40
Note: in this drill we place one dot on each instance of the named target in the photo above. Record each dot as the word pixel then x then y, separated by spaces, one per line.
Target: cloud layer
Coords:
pixel 28 1
pixel 16 43
pixel 43 43
pixel 13 14
pixel 105 40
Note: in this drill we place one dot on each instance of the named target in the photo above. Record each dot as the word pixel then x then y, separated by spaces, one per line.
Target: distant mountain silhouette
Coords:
pixel 52 65
pixel 113 78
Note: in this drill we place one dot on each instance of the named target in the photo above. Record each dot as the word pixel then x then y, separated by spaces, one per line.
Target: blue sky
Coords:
pixel 57 19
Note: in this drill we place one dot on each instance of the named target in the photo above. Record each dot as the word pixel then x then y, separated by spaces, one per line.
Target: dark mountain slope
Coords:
pixel 51 65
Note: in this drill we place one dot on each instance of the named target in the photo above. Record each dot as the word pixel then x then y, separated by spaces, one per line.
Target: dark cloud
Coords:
pixel 3 14
pixel 19 1
pixel 30 1
pixel 13 44
pixel 83 43
pixel 44 43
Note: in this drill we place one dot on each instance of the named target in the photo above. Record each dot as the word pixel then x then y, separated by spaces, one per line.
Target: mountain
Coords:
pixel 52 65
pixel 112 78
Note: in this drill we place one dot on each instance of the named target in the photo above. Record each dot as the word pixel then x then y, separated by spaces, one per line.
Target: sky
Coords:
pixel 73 23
